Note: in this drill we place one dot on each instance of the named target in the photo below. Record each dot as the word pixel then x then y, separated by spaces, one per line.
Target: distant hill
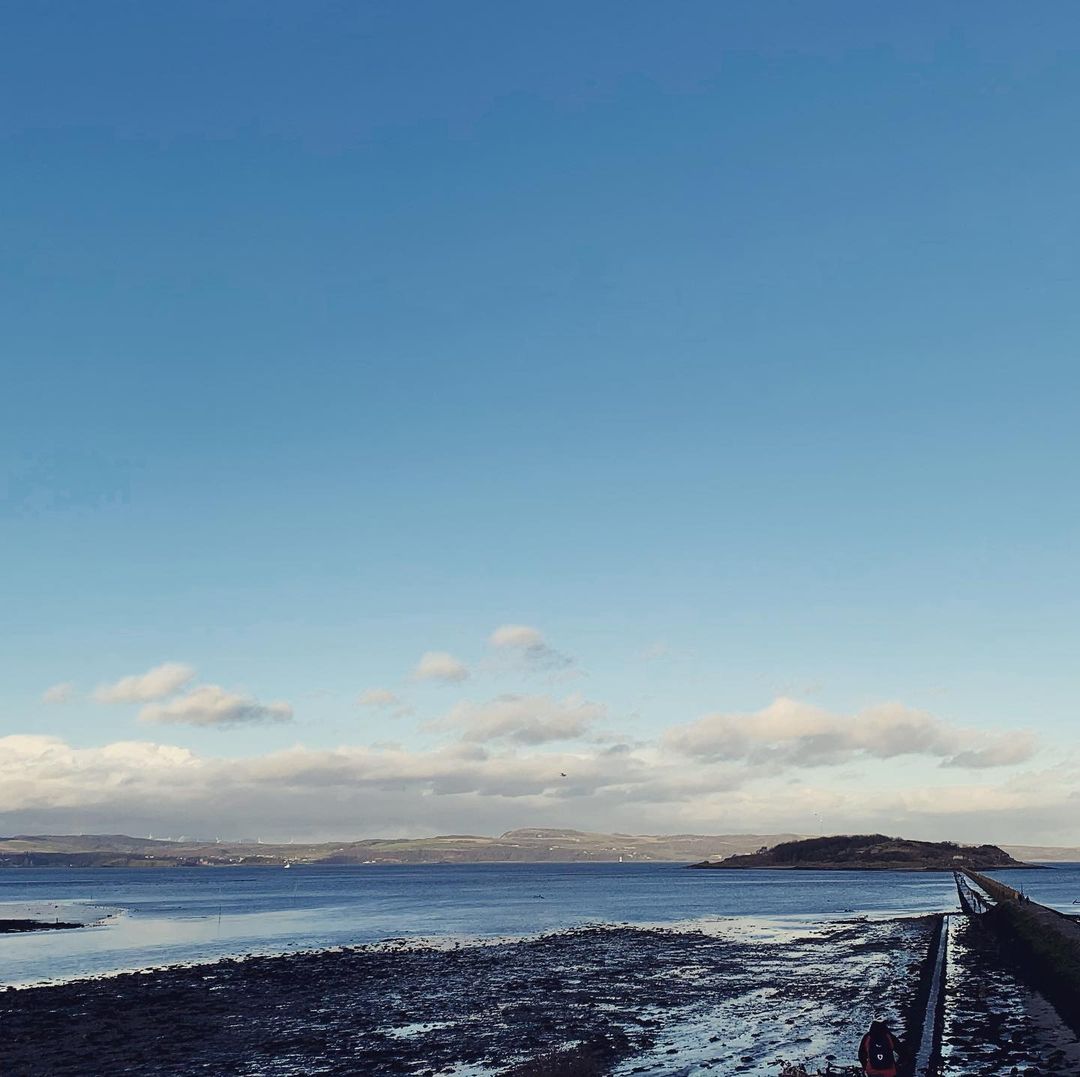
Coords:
pixel 527 845
pixel 1044 852
pixel 875 852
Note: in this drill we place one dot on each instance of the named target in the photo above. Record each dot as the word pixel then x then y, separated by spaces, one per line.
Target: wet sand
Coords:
pixel 642 1000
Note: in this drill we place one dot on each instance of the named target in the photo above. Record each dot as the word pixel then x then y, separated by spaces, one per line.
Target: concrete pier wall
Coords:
pixel 1043 944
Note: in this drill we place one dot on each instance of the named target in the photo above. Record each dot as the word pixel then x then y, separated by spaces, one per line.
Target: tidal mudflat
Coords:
pixel 16 927
pixel 731 999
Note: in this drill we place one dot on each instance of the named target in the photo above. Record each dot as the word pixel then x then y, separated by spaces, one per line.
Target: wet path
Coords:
pixel 993 1023
pixel 929 1046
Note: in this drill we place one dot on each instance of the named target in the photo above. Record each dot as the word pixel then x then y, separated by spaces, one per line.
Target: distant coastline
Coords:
pixel 532 845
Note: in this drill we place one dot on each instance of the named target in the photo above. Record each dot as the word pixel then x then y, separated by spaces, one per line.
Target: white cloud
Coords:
pixel 528 644
pixel 211 705
pixel 377 697
pixel 792 733
pixel 155 683
pixel 58 693
pixel 518 636
pixel 440 666
pixel 524 719
pixel 45 772
pixel 40 771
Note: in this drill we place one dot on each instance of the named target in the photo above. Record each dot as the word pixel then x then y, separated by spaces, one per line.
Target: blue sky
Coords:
pixel 731 348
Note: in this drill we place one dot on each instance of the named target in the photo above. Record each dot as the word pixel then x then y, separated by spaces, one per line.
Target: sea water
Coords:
pixel 1056 885
pixel 155 917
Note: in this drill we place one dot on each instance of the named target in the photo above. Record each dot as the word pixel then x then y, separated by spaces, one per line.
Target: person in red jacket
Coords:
pixel 879 1051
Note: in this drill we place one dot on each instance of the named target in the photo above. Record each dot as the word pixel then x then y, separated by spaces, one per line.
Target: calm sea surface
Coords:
pixel 167 916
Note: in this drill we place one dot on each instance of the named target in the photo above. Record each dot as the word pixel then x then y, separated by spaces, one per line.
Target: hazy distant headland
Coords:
pixel 870 852
pixel 528 845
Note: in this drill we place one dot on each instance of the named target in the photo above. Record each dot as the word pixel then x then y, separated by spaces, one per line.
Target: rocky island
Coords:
pixel 870 852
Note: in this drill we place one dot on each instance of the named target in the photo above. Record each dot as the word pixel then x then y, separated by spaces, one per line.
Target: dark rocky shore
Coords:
pixel 635 1000
pixel 11 927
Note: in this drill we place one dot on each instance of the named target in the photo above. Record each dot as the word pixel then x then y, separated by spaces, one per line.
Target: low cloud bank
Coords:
pixel 493 777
